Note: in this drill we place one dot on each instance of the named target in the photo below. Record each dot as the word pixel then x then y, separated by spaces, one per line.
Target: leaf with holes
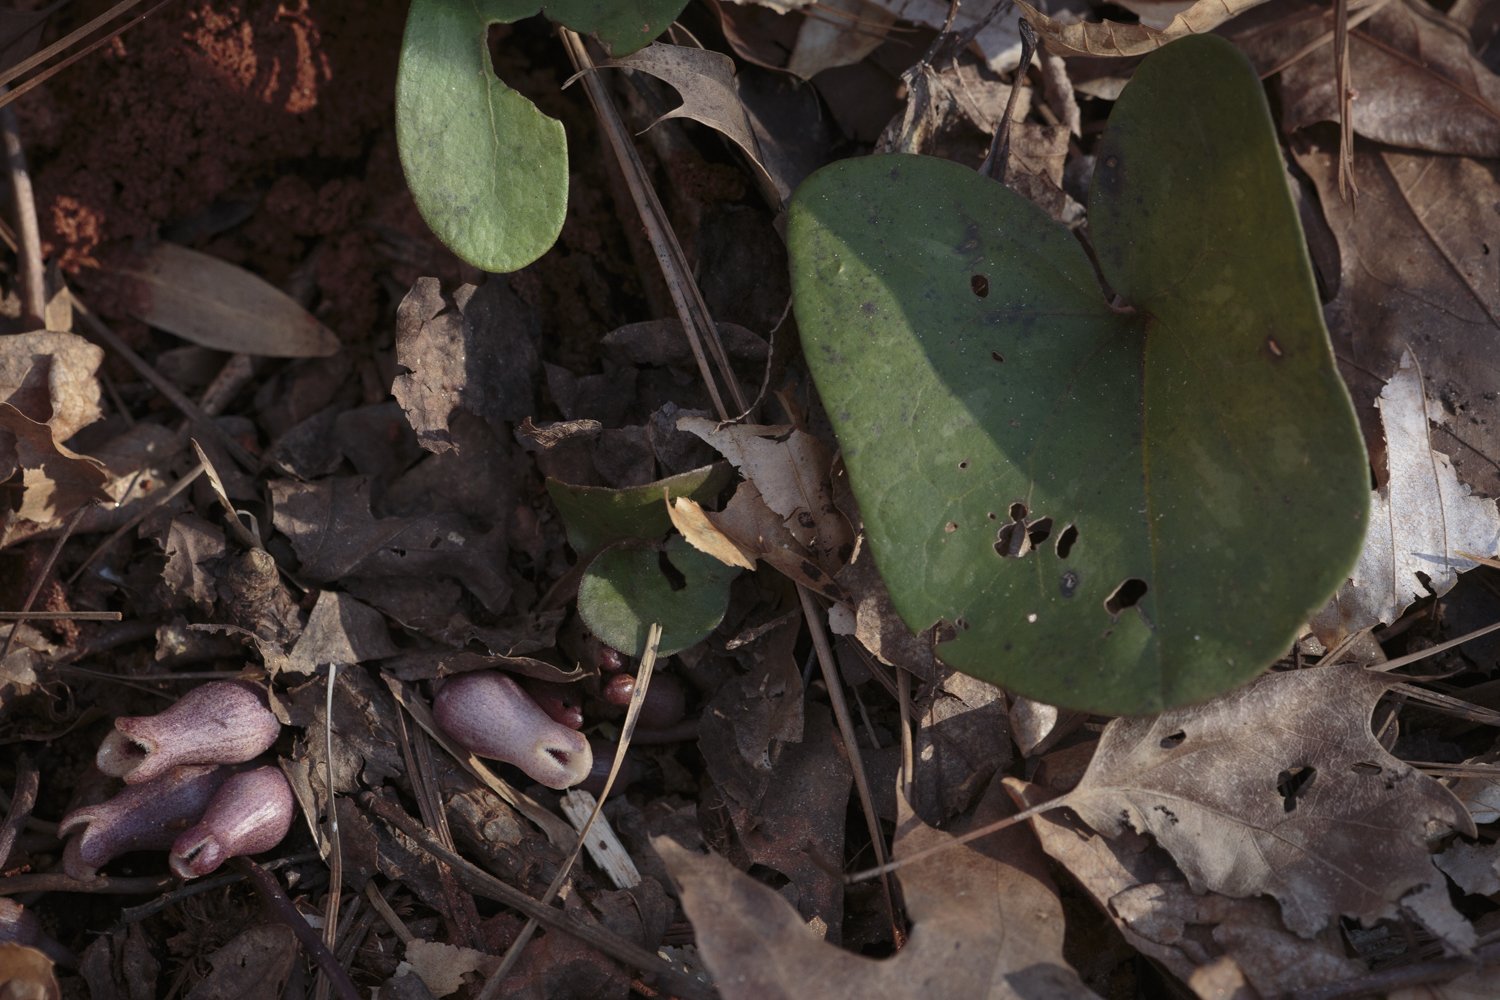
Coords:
pixel 1108 507
pixel 488 171
pixel 1281 789
pixel 626 588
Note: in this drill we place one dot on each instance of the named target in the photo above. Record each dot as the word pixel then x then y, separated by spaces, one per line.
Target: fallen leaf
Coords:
pixel 213 303
pixel 254 965
pixel 758 532
pixel 52 378
pixel 442 967
pixel 1419 269
pixel 1474 868
pixel 1419 521
pixel 54 480
pixel 986 923
pixel 1114 39
pixel 26 974
pixel 1279 788
pixel 844 32
pixel 473 350
pixel 1419 84
pixel 340 630
pixel 1135 884
pixel 336 536
pixel 790 468
pixel 693 523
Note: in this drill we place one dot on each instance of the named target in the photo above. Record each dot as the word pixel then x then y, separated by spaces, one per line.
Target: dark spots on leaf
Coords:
pixel 961 623
pixel 979 285
pixel 1066 540
pixel 1068 584
pixel 1173 741
pixel 963 465
pixel 995 356
pixel 1110 174
pixel 990 515
pixel 1166 814
pixel 868 308
pixel 971 239
pixel 806 520
pixel 1127 595
pixel 1292 782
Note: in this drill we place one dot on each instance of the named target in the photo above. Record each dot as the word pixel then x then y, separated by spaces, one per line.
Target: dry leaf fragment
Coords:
pixel 1419 522
pixel 213 303
pixel 790 468
pixel 1280 788
pixel 693 522
pixel 26 974
pixel 54 481
pixel 1111 38
pixel 987 923
pixel 845 32
pixel 442 967
pixel 51 378
pixel 1474 868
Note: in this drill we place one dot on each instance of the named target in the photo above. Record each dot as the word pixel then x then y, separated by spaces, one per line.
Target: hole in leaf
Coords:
pixel 1066 540
pixel 1068 585
pixel 990 515
pixel 1011 541
pixel 980 285
pixel 674 576
pixel 1174 741
pixel 1293 782
pixel 1126 595
pixel 995 355
pixel 961 623
pixel 950 527
pixel 1038 530
pixel 1017 511
pixel 963 465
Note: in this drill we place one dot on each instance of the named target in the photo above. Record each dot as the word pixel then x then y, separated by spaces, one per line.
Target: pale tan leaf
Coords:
pixel 1419 522
pixel 442 967
pixel 50 377
pixel 987 924
pixel 213 303
pixel 1111 38
pixel 26 974
pixel 843 33
pixel 692 521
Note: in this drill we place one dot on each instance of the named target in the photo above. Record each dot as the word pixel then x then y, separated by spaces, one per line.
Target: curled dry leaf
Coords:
pixel 213 303
pixel 1419 521
pixel 986 923
pixel 50 377
pixel 1111 38
pixel 1280 788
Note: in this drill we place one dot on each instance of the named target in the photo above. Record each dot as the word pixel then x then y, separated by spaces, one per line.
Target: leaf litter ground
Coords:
pixel 398 522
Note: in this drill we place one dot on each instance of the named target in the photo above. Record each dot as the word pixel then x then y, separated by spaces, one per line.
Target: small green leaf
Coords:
pixel 1113 509
pixel 625 589
pixel 597 516
pixel 489 171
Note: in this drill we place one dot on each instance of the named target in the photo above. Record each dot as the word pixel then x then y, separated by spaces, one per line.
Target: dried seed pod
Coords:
pixel 492 716
pixel 145 817
pixel 222 722
pixel 251 813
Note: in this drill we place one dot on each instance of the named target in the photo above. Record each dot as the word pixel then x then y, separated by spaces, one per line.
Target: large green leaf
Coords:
pixel 1117 508
pixel 488 170
pixel 627 588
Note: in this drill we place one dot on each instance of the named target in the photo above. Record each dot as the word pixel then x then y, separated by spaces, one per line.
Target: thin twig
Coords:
pixel 73 57
pixel 28 779
pixel 61 616
pixel 481 883
pixel 41 578
pixel 999 154
pixel 329 969
pixel 335 847
pixel 28 234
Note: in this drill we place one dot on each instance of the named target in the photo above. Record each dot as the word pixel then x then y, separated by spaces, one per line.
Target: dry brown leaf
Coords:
pixel 213 303
pixel 254 965
pixel 710 95
pixel 474 350
pixel 442 967
pixel 790 468
pixel 1135 884
pixel 986 923
pixel 843 33
pixel 1474 868
pixel 54 481
pixel 1419 521
pixel 1419 84
pixel 340 630
pixel 1420 268
pixel 1280 788
pixel 50 377
pixel 1111 38
pixel 758 532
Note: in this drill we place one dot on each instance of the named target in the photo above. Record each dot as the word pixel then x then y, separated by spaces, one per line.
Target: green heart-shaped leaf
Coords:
pixel 488 170
pixel 596 516
pixel 626 588
pixel 1118 509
